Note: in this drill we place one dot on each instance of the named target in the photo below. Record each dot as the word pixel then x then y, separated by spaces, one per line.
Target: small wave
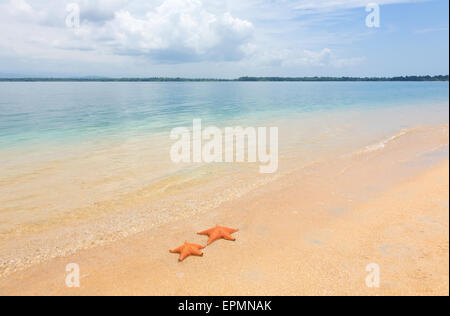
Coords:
pixel 382 144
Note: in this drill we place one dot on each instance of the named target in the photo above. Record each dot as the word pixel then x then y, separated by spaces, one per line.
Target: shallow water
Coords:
pixel 62 113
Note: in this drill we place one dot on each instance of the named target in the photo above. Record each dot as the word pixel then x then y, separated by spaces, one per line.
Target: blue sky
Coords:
pixel 223 38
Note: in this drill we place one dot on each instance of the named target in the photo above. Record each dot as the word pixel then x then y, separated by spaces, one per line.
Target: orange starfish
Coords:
pixel 219 232
pixel 187 250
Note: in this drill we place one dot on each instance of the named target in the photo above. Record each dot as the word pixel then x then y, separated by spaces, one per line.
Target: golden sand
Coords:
pixel 312 231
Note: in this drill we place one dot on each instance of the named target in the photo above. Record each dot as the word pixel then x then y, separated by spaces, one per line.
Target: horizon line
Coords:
pixel 240 79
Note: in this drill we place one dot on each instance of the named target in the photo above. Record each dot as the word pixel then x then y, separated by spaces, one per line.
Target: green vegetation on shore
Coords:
pixel 242 79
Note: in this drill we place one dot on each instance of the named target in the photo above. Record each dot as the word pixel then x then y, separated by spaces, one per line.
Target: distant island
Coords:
pixel 241 79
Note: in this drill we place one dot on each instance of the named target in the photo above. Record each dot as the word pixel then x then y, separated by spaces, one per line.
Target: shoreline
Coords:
pixel 312 231
pixel 111 217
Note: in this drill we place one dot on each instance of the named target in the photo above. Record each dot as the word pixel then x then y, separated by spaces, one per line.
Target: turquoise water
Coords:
pixel 61 113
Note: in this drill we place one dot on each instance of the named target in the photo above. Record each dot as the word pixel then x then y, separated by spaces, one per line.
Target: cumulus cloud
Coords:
pixel 172 31
pixel 177 31
pixel 306 58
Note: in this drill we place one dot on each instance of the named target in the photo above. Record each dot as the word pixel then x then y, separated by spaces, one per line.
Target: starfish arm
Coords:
pixel 211 240
pixel 178 250
pixel 183 256
pixel 206 232
pixel 231 230
pixel 229 237
pixel 197 253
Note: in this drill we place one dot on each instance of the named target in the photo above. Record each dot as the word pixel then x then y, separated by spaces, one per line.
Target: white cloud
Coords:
pixel 171 31
pixel 22 11
pixel 176 31
pixel 306 58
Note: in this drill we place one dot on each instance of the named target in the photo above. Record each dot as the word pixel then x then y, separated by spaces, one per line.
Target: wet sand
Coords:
pixel 313 231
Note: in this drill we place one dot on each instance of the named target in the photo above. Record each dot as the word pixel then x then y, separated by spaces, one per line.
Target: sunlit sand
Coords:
pixel 311 230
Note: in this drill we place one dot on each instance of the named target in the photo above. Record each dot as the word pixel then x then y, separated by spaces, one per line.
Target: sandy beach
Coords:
pixel 312 231
pixel 190 149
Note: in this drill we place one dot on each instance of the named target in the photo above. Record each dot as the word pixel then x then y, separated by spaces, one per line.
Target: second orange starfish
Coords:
pixel 219 232
pixel 187 250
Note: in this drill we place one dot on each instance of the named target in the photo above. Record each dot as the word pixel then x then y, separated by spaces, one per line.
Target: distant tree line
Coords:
pixel 110 79
pixel 242 79
pixel 403 78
